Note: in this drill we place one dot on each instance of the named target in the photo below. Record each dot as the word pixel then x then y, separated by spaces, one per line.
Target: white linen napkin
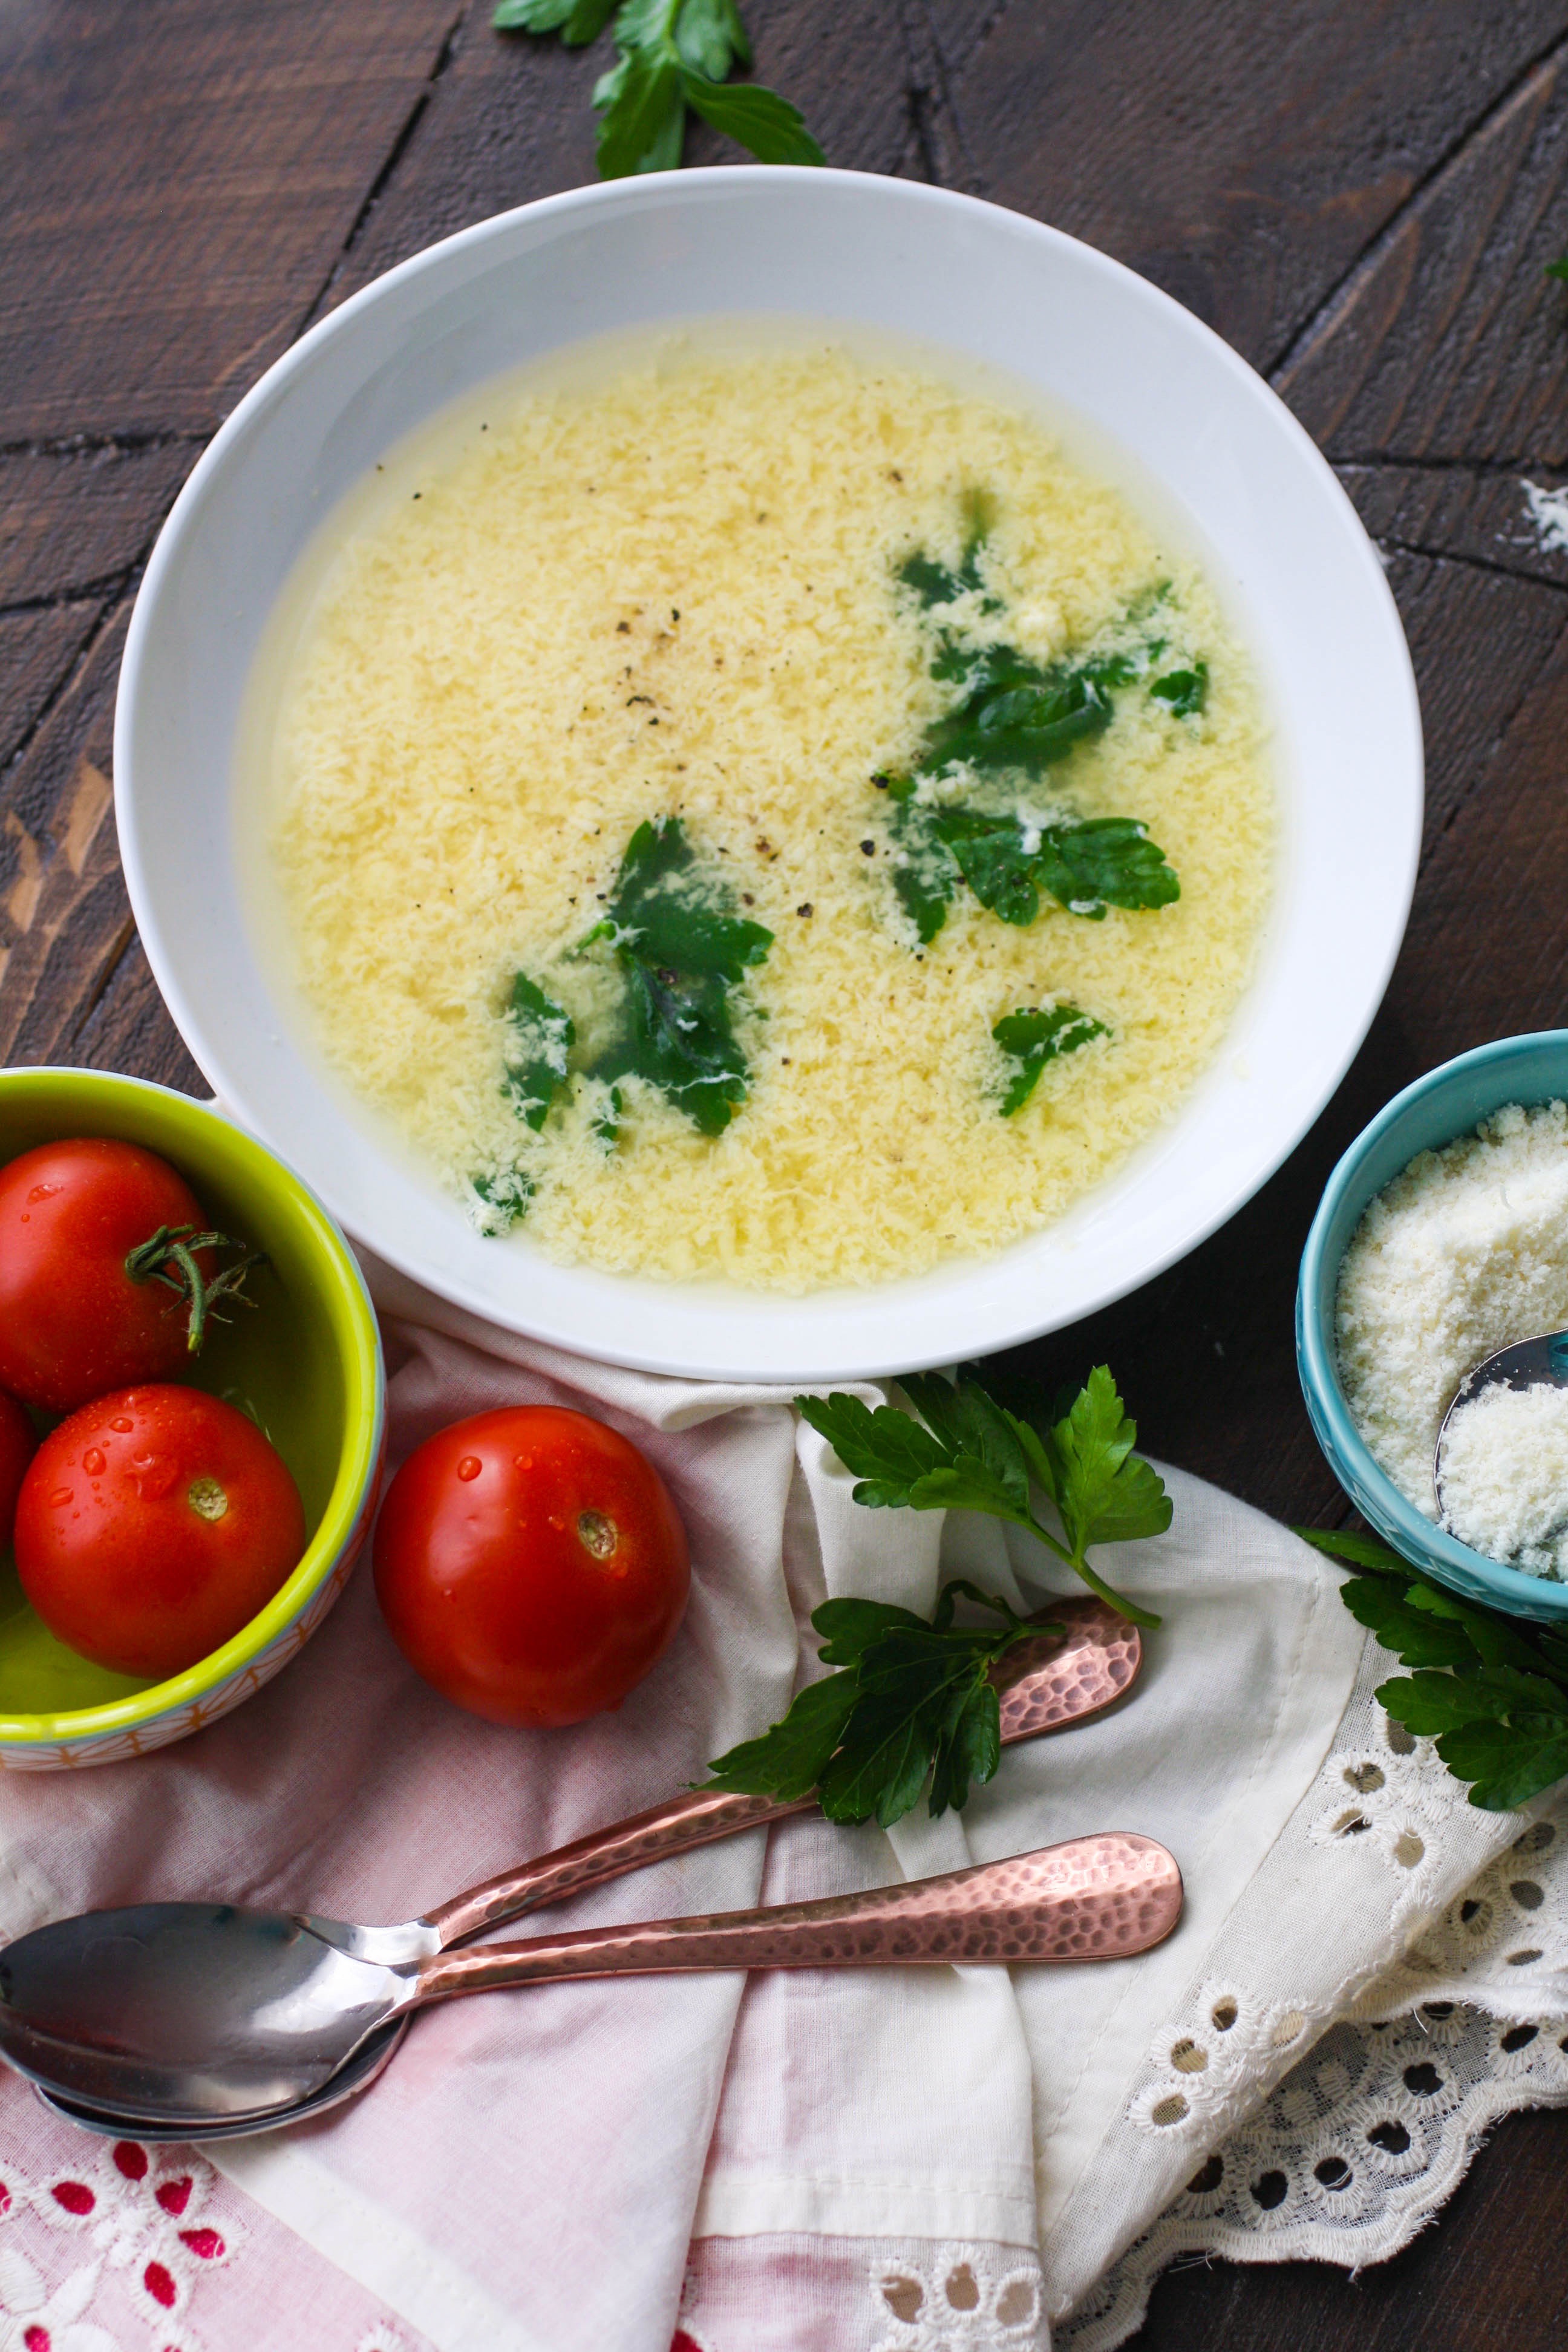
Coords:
pixel 530 2172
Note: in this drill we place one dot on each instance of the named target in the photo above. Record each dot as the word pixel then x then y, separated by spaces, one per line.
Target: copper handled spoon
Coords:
pixel 147 2018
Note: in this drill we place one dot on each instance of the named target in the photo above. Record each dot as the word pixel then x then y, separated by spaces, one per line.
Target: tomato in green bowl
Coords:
pixel 305 1365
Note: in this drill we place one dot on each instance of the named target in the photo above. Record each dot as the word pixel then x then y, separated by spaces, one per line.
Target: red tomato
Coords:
pixel 18 1444
pixel 531 1565
pixel 153 1525
pixel 72 1322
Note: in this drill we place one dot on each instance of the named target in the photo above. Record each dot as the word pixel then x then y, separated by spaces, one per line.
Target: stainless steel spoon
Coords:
pixel 94 2010
pixel 1100 1897
pixel 1526 1364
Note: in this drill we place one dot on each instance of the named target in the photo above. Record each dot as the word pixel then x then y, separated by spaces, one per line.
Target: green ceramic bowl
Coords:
pixel 307 1366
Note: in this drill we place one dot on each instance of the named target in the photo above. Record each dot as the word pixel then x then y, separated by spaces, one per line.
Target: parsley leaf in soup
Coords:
pixel 1008 861
pixel 1185 691
pixel 680 950
pixel 1106 861
pixel 933 582
pixel 538 1037
pixel 1035 1035
pixel 498 1200
pixel 1016 716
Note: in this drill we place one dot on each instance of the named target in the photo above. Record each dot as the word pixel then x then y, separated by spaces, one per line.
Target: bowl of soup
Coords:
pixel 769 774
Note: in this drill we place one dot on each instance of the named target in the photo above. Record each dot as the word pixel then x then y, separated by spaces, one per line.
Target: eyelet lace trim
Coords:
pixel 1373 2127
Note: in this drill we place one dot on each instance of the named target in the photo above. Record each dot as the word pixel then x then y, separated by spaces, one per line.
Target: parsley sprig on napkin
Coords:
pixel 967 1453
pixel 673 54
pixel 1490 1691
pixel 912 1704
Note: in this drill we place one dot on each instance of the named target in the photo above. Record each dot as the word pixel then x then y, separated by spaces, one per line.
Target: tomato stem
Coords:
pixel 169 1257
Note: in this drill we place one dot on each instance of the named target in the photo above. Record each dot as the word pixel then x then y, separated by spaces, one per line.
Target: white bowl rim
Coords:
pixel 742 1358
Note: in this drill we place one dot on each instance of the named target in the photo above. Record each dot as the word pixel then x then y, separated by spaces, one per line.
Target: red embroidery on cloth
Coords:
pixel 37 2339
pixel 141 2211
pixel 160 2285
pixel 684 2342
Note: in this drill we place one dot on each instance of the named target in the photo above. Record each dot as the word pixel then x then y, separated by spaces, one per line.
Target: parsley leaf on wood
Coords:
pixel 1491 1690
pixel 673 54
pixel 679 950
pixel 1035 1035
pixel 538 1037
pixel 967 1453
pixel 1558 268
pixel 912 1708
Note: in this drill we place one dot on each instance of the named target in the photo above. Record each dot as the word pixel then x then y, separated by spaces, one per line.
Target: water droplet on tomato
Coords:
pixel 121 1424
pixel 93 1462
pixel 522 1461
pixel 42 1192
pixel 60 1498
pixel 469 1466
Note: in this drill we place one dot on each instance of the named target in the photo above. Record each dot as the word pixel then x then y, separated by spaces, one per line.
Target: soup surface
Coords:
pixel 766 816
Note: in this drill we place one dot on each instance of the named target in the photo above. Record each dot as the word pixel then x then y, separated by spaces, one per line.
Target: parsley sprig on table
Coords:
pixel 1491 1691
pixel 912 1703
pixel 673 54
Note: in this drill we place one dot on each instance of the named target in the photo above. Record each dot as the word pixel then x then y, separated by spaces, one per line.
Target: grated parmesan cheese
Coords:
pixel 1466 1251
pixel 1505 1476
pixel 673 592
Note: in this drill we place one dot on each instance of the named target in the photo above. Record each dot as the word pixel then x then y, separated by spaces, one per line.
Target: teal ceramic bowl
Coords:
pixel 1446 1103
pixel 306 1366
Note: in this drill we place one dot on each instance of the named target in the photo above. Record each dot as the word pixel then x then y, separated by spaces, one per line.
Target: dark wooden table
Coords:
pixel 1360 196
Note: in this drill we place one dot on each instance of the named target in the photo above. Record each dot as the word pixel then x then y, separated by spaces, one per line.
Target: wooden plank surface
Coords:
pixel 1360 196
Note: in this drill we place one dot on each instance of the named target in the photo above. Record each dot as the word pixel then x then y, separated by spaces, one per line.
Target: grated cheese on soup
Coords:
pixel 679 596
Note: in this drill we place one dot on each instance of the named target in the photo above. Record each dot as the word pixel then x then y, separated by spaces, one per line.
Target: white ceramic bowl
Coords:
pixel 1234 471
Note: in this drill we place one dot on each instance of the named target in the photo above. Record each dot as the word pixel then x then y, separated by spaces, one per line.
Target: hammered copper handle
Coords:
pixel 1094 1898
pixel 1044 1684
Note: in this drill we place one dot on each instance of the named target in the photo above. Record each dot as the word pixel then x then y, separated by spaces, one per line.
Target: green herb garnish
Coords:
pixel 1558 268
pixel 957 816
pixel 498 1200
pixel 1035 1035
pixel 680 950
pixel 539 1038
pixel 1086 865
pixel 911 1704
pixel 967 1453
pixel 673 54
pixel 1490 1690
pixel 1185 690
pixel 933 582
